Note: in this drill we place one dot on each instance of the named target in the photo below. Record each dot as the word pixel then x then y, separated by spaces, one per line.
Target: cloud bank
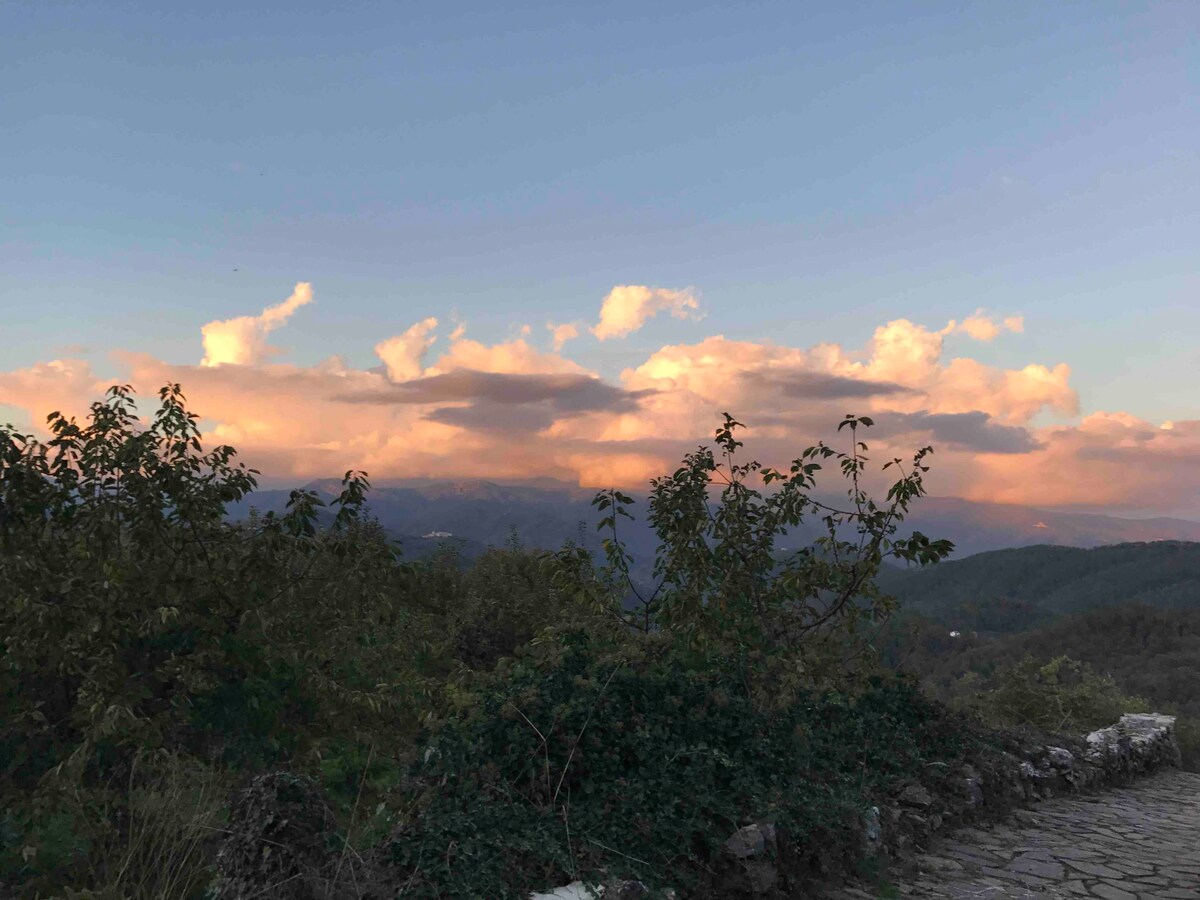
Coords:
pixel 513 409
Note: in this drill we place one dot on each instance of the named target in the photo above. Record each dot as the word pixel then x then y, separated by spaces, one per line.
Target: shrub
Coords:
pixel 581 762
pixel 135 618
pixel 1060 696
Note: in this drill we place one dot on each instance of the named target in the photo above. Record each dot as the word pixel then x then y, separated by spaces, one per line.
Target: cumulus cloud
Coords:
pixel 243 341
pixel 628 306
pixel 562 333
pixel 508 410
pixel 497 401
pixel 983 327
pixel 910 354
pixel 402 355
pixel 516 357
pixel 568 391
pixel 66 385
pixel 1108 459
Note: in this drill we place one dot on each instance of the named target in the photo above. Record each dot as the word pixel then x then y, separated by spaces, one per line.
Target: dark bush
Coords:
pixel 581 763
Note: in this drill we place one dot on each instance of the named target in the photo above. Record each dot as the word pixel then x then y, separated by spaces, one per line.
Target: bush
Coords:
pixel 1062 696
pixel 578 762
pixel 725 589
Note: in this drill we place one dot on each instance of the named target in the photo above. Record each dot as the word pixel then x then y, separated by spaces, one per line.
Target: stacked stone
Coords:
pixel 901 826
pixel 282 838
pixel 1139 742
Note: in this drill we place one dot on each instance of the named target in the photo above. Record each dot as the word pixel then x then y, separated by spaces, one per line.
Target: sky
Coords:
pixel 525 239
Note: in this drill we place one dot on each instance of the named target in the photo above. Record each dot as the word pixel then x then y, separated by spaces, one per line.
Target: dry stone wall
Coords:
pixel 1030 769
pixel 282 843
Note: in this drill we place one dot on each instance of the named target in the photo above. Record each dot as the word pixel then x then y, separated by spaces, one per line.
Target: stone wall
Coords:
pixel 282 841
pixel 1030 767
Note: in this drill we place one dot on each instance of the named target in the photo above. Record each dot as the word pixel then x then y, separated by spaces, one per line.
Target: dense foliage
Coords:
pixel 589 760
pixel 138 625
pixel 1119 653
pixel 477 729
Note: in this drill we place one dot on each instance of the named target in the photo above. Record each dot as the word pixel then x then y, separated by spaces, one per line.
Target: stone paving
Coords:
pixel 1141 841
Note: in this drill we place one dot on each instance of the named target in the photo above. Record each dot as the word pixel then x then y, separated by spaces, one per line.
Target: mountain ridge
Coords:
pixel 545 512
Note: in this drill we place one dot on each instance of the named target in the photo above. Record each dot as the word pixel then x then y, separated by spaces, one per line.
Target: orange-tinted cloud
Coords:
pixel 562 333
pixel 402 355
pixel 983 327
pixel 243 341
pixel 509 410
pixel 1108 459
pixel 628 306
pixel 515 357
pixel 68 386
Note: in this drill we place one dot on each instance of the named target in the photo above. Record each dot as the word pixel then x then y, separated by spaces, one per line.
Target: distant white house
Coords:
pixel 438 534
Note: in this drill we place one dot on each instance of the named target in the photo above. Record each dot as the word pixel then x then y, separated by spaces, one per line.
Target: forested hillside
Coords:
pixel 1153 653
pixel 1013 590
pixel 1127 651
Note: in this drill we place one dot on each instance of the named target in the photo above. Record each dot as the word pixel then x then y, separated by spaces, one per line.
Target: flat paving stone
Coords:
pixel 1140 842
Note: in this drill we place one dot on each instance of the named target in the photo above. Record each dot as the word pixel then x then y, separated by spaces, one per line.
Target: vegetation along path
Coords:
pixel 1140 841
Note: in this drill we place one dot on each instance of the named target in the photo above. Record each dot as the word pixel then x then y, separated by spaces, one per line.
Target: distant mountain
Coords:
pixel 545 512
pixel 977 527
pixel 1012 590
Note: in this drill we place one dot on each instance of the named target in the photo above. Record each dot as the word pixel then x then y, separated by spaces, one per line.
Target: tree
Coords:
pixel 724 589
pixel 132 613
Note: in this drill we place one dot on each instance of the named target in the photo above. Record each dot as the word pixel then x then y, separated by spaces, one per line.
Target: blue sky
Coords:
pixel 811 170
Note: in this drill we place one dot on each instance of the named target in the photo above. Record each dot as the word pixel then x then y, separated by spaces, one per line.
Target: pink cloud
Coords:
pixel 628 306
pixel 243 341
pixel 562 333
pixel 514 357
pixel 402 355
pixel 509 410
pixel 68 386
pixel 983 327
pixel 1108 459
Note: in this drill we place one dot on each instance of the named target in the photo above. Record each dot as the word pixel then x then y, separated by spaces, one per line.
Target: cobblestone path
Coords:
pixel 1141 841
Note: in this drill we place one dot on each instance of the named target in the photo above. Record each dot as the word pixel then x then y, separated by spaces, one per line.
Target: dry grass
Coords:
pixel 173 813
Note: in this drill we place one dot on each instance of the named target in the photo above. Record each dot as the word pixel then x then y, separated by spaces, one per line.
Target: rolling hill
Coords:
pixel 1015 589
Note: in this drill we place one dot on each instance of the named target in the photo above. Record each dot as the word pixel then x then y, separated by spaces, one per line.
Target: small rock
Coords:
pixel 872 827
pixel 626 889
pixel 931 863
pixel 761 876
pixel 751 840
pixel 916 795
pixel 1060 757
